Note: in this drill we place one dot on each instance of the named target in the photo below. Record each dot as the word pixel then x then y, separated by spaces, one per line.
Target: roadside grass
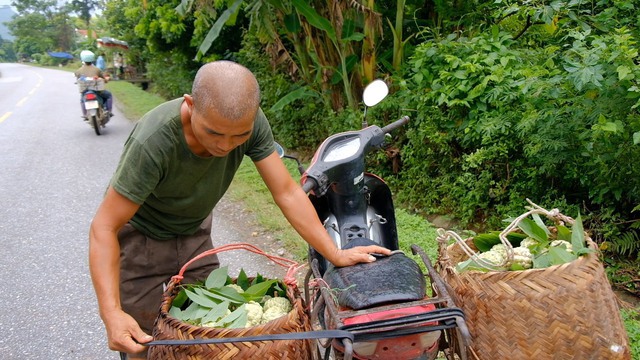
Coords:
pixel 248 188
pixel 132 100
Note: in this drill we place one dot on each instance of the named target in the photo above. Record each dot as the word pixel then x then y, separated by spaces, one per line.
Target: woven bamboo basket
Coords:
pixel 566 311
pixel 169 328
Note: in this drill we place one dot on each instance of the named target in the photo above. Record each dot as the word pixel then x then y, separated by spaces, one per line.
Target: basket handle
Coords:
pixel 292 266
pixel 554 215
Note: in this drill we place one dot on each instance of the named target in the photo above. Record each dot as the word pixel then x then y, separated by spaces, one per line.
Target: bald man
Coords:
pixel 156 215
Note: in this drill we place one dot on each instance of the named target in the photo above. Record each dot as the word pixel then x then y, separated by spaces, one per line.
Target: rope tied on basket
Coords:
pixel 443 240
pixel 292 266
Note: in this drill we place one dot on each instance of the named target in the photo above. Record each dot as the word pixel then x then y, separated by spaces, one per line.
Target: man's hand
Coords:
pixel 358 254
pixel 124 333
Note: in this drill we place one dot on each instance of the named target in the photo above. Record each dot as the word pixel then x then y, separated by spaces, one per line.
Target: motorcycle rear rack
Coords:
pixel 446 315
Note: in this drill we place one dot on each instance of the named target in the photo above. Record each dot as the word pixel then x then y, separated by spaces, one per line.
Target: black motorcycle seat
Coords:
pixel 389 279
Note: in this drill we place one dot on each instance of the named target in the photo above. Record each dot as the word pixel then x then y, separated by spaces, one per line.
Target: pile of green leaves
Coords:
pixel 218 303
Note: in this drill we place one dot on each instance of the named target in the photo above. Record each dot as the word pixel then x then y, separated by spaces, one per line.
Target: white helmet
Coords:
pixel 87 56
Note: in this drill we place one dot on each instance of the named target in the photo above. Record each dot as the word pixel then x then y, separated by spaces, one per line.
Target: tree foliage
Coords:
pixel 40 26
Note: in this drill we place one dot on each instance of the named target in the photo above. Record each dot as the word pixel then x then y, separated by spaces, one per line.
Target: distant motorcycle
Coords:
pixel 94 108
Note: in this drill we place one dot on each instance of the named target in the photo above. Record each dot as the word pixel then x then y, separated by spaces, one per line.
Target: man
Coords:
pixel 177 163
pixel 100 63
pixel 88 70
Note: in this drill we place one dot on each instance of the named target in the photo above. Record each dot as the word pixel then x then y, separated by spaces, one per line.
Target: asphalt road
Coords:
pixel 53 172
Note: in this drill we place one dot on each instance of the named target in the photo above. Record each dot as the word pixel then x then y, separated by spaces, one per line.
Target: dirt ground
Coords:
pixel 233 224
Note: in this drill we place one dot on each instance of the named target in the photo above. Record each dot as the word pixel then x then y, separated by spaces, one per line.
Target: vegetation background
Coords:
pixel 509 100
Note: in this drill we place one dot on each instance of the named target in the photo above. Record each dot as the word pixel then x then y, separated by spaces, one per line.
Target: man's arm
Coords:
pixel 299 211
pixel 104 264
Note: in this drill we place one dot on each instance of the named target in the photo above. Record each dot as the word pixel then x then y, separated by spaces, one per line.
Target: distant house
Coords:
pixel 83 35
pixel 6 14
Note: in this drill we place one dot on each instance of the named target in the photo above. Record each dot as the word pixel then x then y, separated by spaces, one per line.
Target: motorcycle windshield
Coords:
pixel 342 150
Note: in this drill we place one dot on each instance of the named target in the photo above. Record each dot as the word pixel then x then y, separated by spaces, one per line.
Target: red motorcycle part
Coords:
pixel 399 348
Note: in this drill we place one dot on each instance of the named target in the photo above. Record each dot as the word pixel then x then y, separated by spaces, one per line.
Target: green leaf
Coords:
pixel 515 238
pixel 636 138
pixel 484 242
pixel 214 32
pixel 558 255
pixel 217 278
pixel 260 289
pixel 577 235
pixel 609 126
pixel 184 7
pixel 302 6
pixel 176 313
pixel 538 220
pixel 299 93
pixel 623 72
pixel 542 261
pixel 216 313
pixel 356 36
pixel 180 299
pixel 194 312
pixel 563 233
pixel 243 280
pixel 470 265
pixel 197 297
pixel 292 23
pixel 223 294
pixel 237 318
pixel 532 229
pixel 258 279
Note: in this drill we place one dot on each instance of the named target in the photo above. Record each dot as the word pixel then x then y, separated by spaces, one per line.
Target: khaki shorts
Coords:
pixel 147 265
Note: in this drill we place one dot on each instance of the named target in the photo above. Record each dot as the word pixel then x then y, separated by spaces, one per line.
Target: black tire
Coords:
pixel 95 124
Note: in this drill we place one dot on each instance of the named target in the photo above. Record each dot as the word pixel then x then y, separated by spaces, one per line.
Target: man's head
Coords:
pixel 223 105
pixel 87 57
pixel 227 88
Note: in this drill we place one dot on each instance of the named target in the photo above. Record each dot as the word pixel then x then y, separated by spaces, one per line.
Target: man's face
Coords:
pixel 219 135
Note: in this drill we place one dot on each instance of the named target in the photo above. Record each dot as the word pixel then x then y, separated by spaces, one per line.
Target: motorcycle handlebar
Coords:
pixel 396 124
pixel 309 185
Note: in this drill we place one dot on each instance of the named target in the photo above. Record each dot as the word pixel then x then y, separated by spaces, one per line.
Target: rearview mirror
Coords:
pixel 279 149
pixel 375 92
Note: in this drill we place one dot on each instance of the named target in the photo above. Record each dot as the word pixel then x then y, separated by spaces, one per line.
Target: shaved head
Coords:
pixel 226 88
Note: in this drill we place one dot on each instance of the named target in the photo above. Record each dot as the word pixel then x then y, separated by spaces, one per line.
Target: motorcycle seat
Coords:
pixel 389 279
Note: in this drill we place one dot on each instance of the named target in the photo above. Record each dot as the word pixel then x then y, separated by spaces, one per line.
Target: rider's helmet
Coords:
pixel 87 56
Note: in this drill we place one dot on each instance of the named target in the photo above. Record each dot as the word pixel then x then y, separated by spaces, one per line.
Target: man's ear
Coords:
pixel 188 99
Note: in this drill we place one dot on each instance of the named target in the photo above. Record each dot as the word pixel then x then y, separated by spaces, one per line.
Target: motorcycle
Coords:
pixel 384 303
pixel 94 108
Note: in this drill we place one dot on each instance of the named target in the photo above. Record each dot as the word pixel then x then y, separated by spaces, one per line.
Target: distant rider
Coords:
pixel 88 70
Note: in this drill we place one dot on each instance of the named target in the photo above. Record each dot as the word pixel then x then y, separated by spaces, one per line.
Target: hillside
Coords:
pixel 6 13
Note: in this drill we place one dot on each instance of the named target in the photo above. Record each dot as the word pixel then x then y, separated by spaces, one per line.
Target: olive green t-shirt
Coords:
pixel 175 188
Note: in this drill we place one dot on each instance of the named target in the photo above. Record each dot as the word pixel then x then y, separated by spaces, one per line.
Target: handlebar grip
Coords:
pixel 396 124
pixel 309 185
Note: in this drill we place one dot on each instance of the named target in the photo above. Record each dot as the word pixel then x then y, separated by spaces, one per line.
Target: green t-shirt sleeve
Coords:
pixel 138 172
pixel 262 140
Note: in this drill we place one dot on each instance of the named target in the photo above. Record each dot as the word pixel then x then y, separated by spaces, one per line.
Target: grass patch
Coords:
pixel 631 319
pixel 132 100
pixel 248 188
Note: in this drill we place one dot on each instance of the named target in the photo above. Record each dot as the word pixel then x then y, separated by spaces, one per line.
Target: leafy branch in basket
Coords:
pixel 222 302
pixel 535 245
